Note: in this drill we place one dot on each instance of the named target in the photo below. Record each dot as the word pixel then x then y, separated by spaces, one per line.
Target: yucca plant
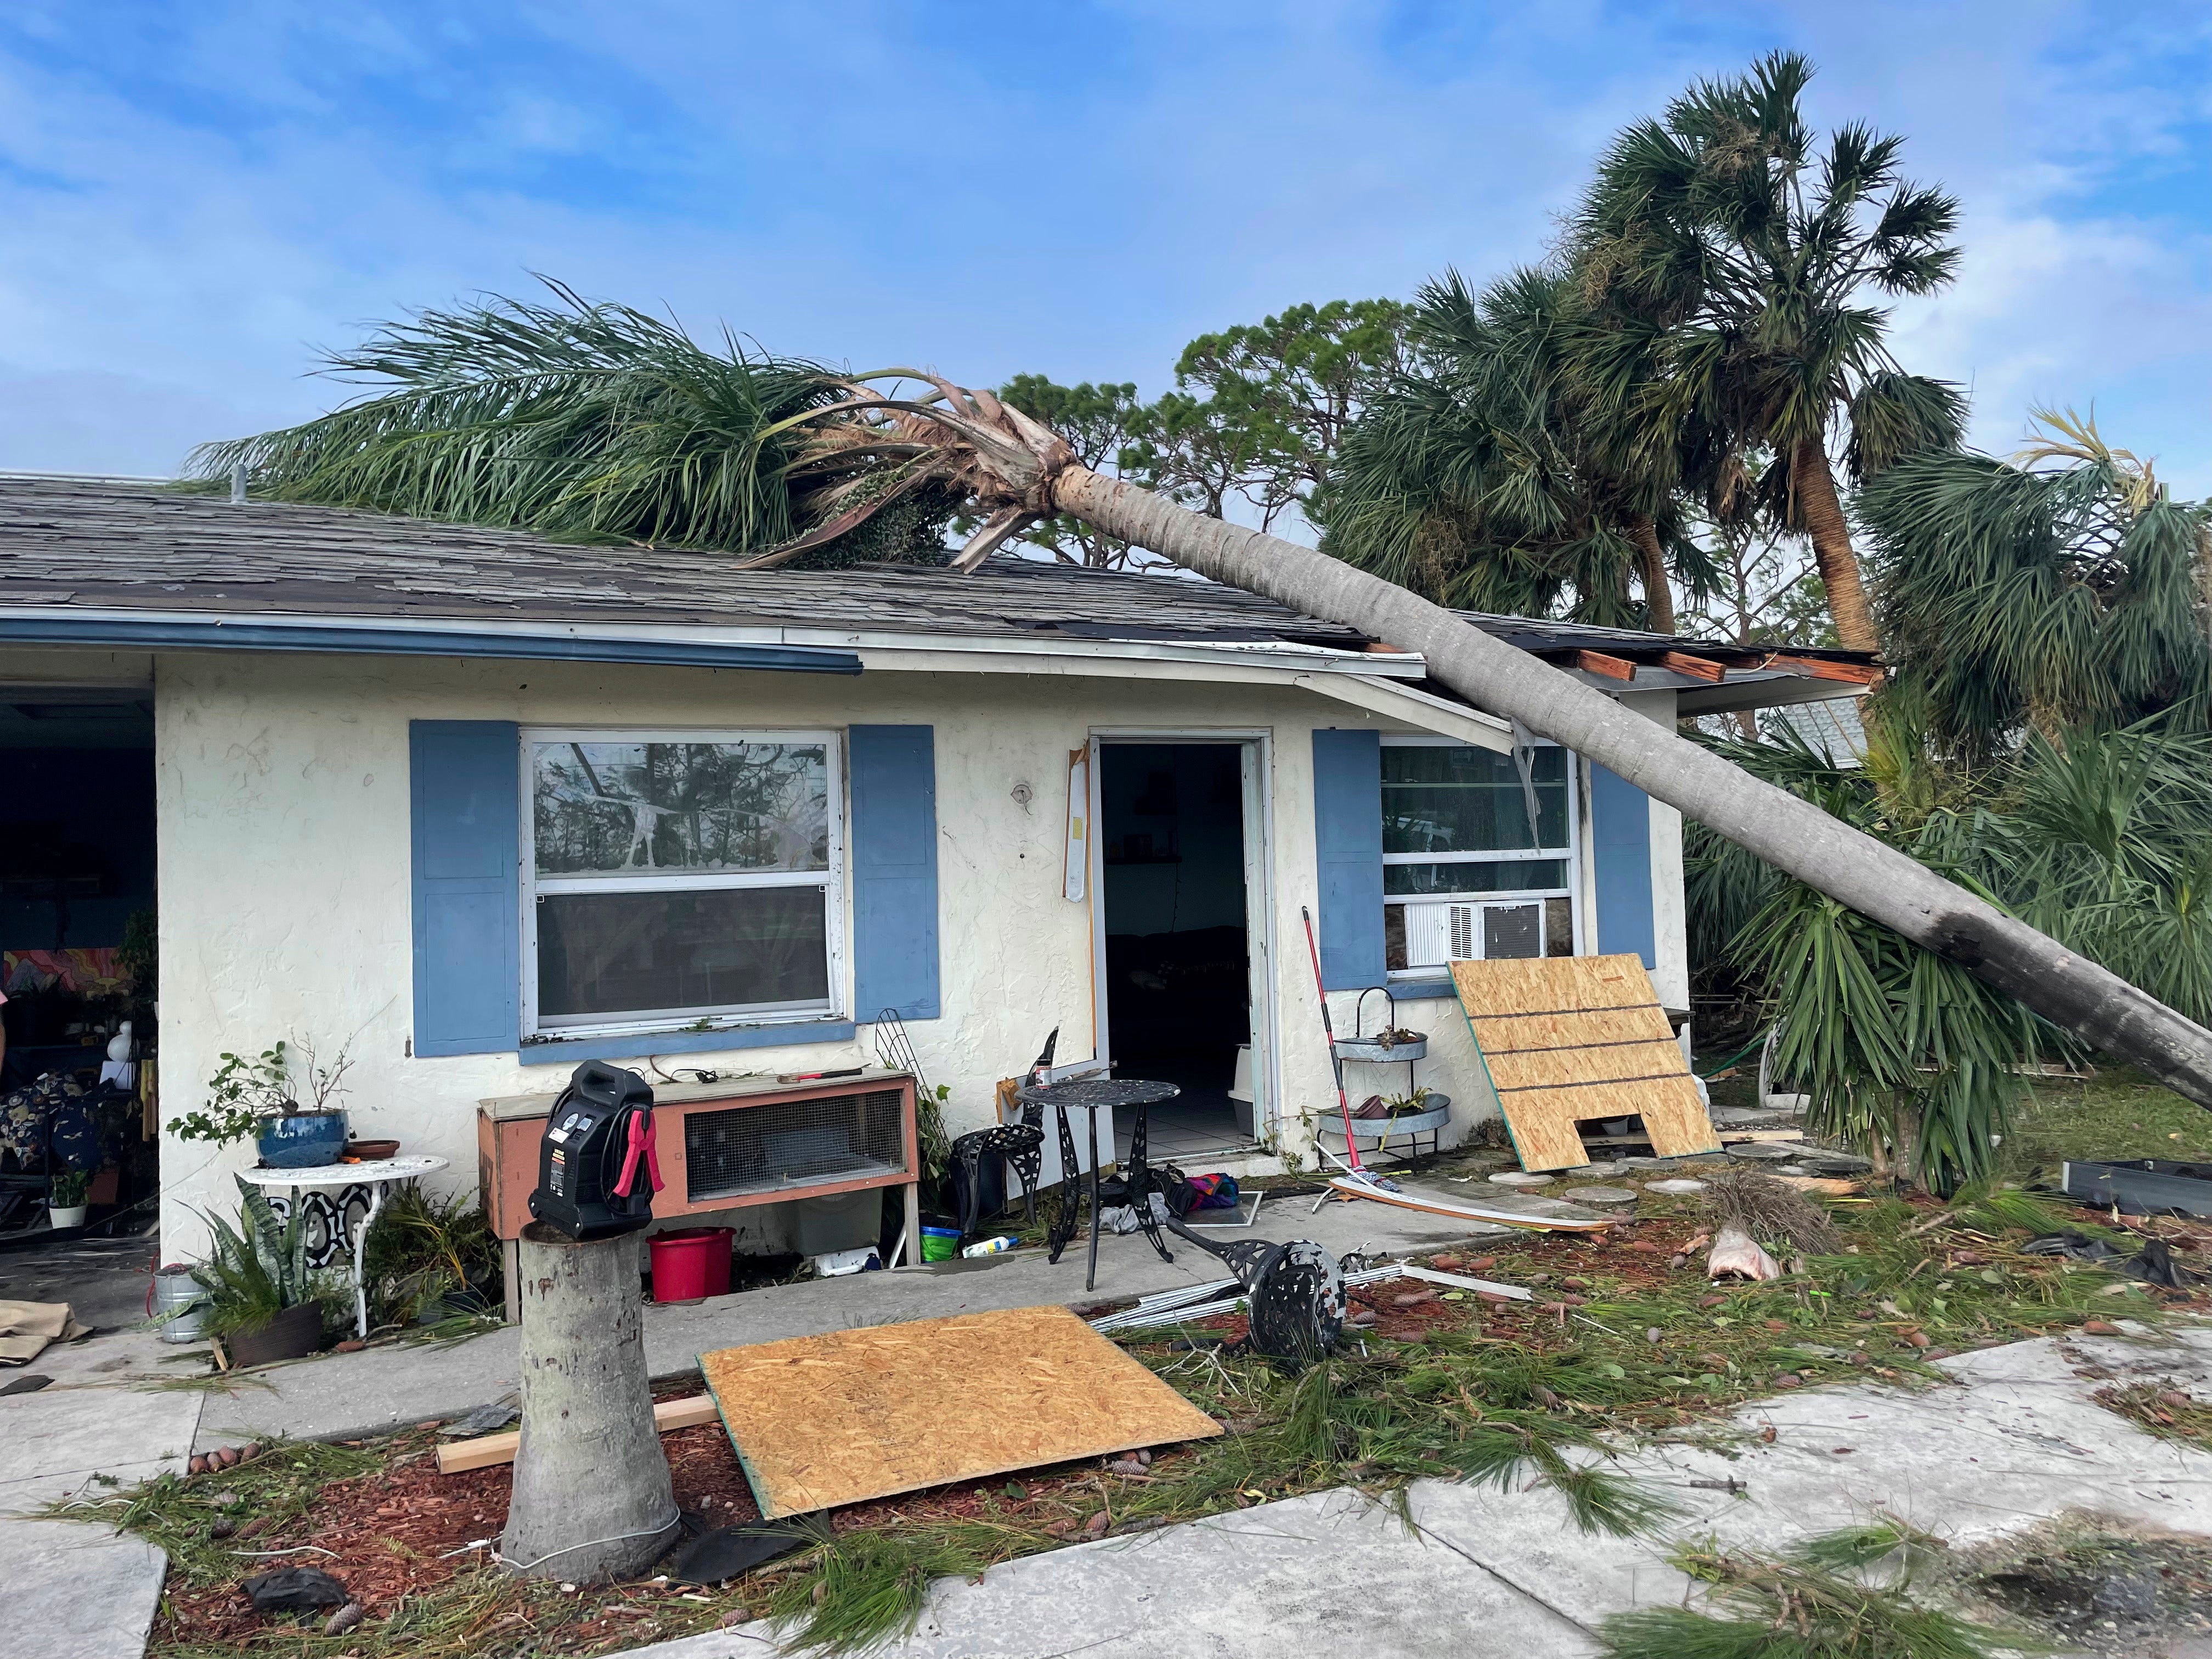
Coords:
pixel 2098 837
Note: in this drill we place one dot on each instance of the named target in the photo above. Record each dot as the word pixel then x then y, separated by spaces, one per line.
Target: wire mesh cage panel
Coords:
pixel 794 1143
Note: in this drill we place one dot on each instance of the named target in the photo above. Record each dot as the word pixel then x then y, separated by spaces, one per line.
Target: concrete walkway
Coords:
pixel 1492 1572
pixel 76 1591
pixel 344 1395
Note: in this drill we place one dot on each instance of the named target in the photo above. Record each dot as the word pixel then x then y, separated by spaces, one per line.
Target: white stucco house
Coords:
pixel 481 805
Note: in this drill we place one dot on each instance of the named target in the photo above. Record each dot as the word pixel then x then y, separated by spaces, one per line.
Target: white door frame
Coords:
pixel 1256 765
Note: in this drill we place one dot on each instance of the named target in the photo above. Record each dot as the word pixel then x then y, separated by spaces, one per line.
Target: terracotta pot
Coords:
pixel 292 1335
pixel 367 1150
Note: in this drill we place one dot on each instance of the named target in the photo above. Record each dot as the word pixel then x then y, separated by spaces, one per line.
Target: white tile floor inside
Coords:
pixel 1196 1122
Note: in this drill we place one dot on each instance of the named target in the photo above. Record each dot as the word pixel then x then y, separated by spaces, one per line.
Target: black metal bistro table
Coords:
pixel 1091 1096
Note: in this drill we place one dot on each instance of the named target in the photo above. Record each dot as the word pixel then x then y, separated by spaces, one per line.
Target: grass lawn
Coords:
pixel 1624 1336
pixel 2117 1113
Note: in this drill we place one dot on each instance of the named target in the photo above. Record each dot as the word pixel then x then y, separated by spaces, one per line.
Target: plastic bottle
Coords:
pixel 992 1246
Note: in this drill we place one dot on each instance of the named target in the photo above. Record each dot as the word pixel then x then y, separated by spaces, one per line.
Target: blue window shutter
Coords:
pixel 1348 849
pixel 465 789
pixel 894 835
pixel 1620 849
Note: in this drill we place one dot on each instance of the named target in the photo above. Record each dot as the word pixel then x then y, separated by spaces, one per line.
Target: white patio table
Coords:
pixel 375 1174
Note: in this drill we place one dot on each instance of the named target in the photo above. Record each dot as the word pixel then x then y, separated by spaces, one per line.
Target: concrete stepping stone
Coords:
pixel 1600 1194
pixel 1679 1184
pixel 1763 1152
pixel 1521 1178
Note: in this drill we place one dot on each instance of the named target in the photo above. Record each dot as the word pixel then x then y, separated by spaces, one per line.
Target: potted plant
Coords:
pixel 65 1198
pixel 429 1259
pixel 262 1304
pixel 258 1096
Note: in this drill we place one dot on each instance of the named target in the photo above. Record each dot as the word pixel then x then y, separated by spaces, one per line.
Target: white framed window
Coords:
pixel 675 881
pixel 1467 875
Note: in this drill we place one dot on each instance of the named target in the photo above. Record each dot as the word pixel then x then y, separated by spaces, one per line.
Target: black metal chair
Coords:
pixel 1020 1144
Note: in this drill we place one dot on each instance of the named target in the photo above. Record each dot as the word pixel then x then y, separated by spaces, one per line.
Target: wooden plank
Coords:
pixel 486 1449
pixel 1698 668
pixel 1728 1138
pixel 1567 1039
pixel 1848 673
pixel 1535 1033
pixel 1611 1062
pixel 1613 668
pixel 840 1418
pixel 1561 985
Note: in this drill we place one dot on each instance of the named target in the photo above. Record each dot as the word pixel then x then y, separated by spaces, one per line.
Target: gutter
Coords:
pixel 760 645
pixel 384 639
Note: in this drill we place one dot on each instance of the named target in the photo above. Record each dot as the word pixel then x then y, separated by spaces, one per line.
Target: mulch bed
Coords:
pixel 408 1530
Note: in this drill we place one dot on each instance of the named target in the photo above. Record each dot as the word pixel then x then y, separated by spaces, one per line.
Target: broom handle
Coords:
pixel 1335 1060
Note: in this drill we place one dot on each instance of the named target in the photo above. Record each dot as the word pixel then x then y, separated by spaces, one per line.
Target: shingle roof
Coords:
pixel 136 545
pixel 109 545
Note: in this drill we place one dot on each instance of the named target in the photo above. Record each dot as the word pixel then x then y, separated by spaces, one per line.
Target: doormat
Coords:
pixel 1572 1038
pixel 823 1420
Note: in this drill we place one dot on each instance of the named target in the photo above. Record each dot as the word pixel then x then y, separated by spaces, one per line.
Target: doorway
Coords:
pixel 77 858
pixel 1176 861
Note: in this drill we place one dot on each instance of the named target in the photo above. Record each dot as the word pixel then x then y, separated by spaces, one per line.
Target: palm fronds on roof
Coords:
pixel 589 420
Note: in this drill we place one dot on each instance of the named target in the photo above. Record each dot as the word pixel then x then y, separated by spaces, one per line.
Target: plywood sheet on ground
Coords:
pixel 1571 1039
pixel 823 1420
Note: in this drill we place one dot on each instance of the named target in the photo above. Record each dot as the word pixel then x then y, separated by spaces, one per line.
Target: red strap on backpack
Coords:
pixel 641 1146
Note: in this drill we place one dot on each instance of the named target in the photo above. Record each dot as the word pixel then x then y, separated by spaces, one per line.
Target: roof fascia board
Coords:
pixel 358 639
pixel 1305 659
pixel 1417 708
pixel 80 625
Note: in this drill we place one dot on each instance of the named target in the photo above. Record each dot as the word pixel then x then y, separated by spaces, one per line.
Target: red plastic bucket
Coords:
pixel 691 1262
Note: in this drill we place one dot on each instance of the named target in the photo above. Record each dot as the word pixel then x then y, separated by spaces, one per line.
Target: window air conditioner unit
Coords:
pixel 1443 931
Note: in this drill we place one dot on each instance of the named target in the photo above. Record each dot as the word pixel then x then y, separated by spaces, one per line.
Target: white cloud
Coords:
pixel 190 215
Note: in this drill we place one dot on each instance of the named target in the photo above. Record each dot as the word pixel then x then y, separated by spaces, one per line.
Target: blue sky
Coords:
pixel 195 198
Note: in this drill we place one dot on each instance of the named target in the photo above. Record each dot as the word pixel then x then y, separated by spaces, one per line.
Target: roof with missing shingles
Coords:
pixel 112 545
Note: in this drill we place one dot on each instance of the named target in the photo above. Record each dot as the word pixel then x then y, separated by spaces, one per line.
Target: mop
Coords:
pixel 1358 1180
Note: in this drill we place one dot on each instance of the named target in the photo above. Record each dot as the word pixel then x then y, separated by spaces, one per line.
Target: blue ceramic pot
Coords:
pixel 302 1139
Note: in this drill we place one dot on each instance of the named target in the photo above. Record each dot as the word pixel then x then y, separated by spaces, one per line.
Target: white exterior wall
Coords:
pixel 1670 920
pixel 285 893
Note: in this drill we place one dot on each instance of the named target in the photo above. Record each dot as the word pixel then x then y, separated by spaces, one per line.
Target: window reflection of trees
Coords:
pixel 695 807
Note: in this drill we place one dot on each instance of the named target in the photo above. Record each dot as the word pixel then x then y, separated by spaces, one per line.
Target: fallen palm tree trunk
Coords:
pixel 1028 472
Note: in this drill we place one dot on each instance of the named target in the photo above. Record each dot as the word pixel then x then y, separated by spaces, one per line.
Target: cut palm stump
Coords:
pixel 819 1421
pixel 1567 1039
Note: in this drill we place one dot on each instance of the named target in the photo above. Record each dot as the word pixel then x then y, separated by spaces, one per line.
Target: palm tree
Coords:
pixel 848 457
pixel 592 421
pixel 1487 477
pixel 1741 257
pixel 2022 596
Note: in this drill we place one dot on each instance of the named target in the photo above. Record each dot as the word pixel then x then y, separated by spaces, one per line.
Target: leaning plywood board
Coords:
pixel 823 1420
pixel 1571 1039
